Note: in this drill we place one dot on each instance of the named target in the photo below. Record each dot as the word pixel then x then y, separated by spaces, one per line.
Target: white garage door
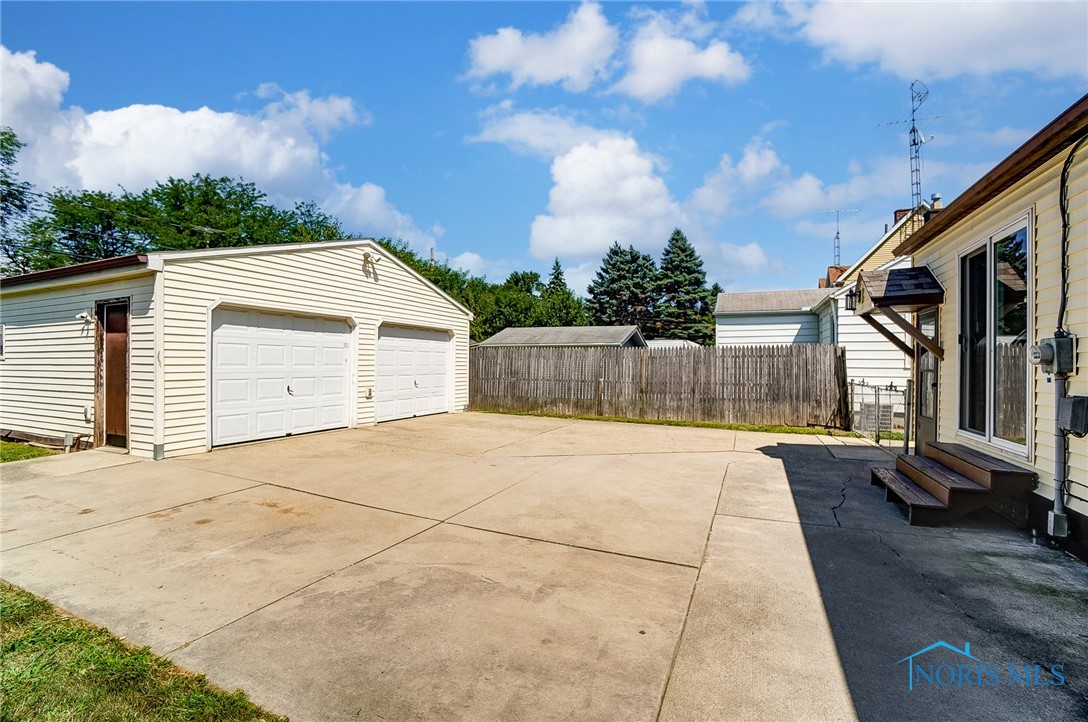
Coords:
pixel 277 374
pixel 412 373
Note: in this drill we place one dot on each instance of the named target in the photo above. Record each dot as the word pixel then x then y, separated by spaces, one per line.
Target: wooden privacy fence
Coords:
pixel 790 385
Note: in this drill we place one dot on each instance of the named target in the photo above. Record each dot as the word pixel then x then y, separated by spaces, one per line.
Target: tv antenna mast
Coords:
pixel 918 94
pixel 837 211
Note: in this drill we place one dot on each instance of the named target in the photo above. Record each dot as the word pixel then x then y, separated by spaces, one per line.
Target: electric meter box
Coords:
pixel 1053 355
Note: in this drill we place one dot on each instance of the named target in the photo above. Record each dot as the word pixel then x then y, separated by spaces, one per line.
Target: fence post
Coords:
pixel 908 397
pixel 600 397
pixel 876 431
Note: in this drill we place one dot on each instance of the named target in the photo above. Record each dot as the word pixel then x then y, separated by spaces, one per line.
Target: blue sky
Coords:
pixel 504 134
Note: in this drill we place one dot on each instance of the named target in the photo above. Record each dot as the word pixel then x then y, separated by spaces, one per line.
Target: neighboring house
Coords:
pixel 986 284
pixel 768 318
pixel 567 336
pixel 172 353
pixel 671 343
pixel 820 315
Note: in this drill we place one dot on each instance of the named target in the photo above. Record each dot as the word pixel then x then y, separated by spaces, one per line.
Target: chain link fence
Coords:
pixel 880 412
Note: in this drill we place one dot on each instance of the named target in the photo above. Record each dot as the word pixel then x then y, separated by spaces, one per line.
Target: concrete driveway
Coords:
pixel 473 566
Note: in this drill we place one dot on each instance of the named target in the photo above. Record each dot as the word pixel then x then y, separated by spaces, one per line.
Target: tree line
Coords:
pixel 42 230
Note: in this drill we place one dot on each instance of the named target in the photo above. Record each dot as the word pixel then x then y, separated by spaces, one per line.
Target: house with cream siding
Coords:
pixel 984 297
pixel 172 353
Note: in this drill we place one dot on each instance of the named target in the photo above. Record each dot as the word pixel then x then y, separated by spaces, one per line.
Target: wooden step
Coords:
pixel 991 472
pixel 922 507
pixel 939 480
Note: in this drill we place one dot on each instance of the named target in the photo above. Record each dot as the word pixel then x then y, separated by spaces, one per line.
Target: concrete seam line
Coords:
pixel 920 535
pixel 641 453
pixel 573 546
pixel 129 461
pixel 518 441
pixel 691 598
pixel 349 501
pixel 304 586
pixel 130 518
pixel 530 475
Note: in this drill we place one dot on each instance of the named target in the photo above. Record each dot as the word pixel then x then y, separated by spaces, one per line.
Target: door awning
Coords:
pixel 897 291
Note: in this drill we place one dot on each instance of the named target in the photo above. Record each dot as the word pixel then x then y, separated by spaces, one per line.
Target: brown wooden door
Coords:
pixel 927 367
pixel 114 386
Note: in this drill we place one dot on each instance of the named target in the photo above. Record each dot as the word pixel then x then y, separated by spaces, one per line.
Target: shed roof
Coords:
pixel 769 301
pixel 566 336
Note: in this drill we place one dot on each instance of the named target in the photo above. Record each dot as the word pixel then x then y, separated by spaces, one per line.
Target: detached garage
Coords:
pixel 164 354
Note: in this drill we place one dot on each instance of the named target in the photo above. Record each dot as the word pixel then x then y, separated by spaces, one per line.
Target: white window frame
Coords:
pixel 1025 220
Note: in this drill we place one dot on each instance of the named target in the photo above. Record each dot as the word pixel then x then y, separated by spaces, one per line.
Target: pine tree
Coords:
pixel 682 285
pixel 624 291
pixel 558 306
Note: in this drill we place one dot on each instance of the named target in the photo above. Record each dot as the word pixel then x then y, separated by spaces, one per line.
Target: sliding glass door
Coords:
pixel 994 287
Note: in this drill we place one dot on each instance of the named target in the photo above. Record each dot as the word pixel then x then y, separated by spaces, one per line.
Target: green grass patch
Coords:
pixel 55 667
pixel 768 428
pixel 14 451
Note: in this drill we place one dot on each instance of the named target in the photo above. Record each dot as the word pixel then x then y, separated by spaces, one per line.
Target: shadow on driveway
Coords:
pixel 890 589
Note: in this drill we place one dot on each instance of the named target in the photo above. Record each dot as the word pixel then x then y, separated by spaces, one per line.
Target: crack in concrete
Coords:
pixel 842 493
pixel 931 584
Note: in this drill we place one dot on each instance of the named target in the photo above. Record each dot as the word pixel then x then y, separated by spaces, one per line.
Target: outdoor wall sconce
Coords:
pixel 851 300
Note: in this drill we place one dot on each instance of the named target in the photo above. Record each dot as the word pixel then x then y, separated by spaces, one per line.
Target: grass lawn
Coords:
pixel 55 667
pixel 12 451
pixel 769 428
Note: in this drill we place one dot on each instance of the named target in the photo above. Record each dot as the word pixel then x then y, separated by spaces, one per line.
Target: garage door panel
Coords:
pixel 232 427
pixel 271 356
pixel 270 389
pixel 232 355
pixel 249 402
pixel 271 423
pixel 303 356
pixel 232 391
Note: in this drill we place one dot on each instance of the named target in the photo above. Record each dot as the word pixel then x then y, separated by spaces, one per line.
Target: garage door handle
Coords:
pixel 416 383
pixel 290 392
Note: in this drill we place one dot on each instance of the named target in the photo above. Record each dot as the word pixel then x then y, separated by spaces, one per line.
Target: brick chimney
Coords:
pixel 901 214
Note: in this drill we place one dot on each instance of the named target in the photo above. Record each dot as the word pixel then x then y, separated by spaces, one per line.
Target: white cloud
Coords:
pixel 278 148
pixel 603 191
pixel 718 192
pixel 885 178
pixel 664 55
pixel 477 265
pixel 538 132
pixel 938 40
pixel 746 259
pixel 574 54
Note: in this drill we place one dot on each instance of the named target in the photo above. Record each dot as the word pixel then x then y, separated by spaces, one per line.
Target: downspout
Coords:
pixel 1058 525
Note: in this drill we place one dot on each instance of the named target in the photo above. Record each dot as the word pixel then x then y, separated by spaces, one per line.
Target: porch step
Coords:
pixel 922 507
pixel 938 480
pixel 997 475
pixel 949 481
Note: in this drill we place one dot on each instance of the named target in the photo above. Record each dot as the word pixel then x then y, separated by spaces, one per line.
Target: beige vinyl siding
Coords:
pixel 1038 194
pixel 767 329
pixel 47 376
pixel 329 280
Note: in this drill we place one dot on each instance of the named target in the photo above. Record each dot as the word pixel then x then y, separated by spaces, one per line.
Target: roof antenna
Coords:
pixel 918 94
pixel 837 211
